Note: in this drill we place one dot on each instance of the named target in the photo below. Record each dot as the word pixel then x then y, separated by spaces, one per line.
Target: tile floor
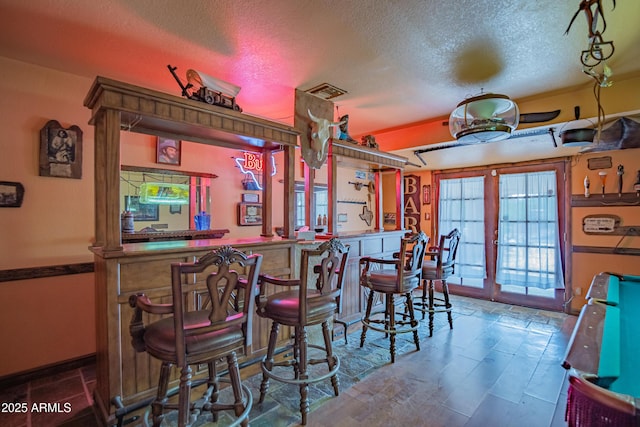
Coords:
pixel 500 366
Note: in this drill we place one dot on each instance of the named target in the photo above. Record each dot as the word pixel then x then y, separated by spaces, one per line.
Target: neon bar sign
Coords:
pixel 252 164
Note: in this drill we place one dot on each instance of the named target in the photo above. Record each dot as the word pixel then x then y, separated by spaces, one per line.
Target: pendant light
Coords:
pixel 484 118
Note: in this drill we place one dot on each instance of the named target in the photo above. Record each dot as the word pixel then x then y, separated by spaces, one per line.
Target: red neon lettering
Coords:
pixel 252 162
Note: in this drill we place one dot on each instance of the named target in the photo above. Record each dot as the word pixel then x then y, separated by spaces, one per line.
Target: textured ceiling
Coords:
pixel 401 62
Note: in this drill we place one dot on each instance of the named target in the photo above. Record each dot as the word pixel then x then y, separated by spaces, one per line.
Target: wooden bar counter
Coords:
pixel 125 377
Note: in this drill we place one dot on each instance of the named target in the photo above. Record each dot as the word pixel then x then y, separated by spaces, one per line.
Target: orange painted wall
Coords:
pixel 49 320
pixel 586 265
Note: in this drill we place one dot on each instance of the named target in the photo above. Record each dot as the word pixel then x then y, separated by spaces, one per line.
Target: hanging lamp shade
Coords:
pixel 484 118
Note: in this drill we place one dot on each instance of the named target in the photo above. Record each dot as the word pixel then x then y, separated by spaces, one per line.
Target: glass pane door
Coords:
pixel 511 225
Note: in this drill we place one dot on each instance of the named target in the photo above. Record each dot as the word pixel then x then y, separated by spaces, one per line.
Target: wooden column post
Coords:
pixel 399 200
pixel 378 217
pixel 107 180
pixel 332 191
pixel 309 197
pixel 267 194
pixel 289 183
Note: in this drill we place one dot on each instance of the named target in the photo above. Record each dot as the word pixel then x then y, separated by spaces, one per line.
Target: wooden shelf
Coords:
pixel 597 200
pixel 606 250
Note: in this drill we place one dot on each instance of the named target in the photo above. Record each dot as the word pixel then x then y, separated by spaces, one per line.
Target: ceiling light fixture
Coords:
pixel 487 117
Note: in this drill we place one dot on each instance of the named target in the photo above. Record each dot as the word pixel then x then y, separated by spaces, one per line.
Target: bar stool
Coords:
pixel 439 268
pixel 399 276
pixel 218 329
pixel 312 303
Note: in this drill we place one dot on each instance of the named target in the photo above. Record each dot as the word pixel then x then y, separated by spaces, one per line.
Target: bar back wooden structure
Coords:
pixel 126 380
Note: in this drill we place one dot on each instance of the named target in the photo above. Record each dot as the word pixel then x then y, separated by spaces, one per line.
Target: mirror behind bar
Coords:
pixel 160 221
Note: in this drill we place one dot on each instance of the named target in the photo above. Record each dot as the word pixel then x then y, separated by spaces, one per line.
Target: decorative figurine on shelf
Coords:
pixel 343 130
pixel 369 141
pixel 620 173
pixel 315 150
pixel 586 186
pixel 210 89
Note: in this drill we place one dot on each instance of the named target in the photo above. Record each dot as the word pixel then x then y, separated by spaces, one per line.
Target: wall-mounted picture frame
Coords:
pixel 168 151
pixel 250 198
pixel 426 194
pixel 60 151
pixel 11 194
pixel 342 217
pixel 389 218
pixel 249 213
pixel 141 211
pixel 175 209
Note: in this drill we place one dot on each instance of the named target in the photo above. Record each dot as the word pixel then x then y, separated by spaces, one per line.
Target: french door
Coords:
pixel 512 220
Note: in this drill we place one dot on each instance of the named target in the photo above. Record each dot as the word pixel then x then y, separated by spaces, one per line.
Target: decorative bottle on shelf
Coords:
pixel 319 220
pixel 636 185
pixel 586 186
pixel 324 219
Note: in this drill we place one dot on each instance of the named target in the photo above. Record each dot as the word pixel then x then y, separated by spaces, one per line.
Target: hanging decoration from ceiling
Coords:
pixel 486 117
pixel 594 57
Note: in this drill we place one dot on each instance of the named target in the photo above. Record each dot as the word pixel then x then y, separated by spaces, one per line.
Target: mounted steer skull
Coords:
pixel 315 151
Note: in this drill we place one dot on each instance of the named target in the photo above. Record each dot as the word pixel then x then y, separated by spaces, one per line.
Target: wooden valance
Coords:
pixel 369 155
pixel 151 112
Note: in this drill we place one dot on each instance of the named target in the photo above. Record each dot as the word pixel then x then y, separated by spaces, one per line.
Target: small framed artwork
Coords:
pixel 342 217
pixel 389 218
pixel 11 194
pixel 175 209
pixel 60 151
pixel 249 213
pixel 168 151
pixel 141 211
pixel 250 198
pixel 426 194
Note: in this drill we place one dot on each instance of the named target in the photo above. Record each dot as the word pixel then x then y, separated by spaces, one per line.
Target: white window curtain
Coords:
pixel 461 206
pixel 528 236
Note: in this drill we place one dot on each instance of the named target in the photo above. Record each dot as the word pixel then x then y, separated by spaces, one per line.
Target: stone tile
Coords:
pixel 499 361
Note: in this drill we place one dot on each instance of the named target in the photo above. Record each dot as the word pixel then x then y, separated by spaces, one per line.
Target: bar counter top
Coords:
pixel 178 246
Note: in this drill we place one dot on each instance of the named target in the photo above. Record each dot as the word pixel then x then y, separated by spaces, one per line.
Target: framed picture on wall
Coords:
pixel 249 213
pixel 426 194
pixel 60 151
pixel 141 211
pixel 11 194
pixel 168 151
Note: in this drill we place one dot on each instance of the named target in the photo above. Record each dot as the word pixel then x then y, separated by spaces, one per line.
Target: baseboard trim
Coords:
pixel 46 371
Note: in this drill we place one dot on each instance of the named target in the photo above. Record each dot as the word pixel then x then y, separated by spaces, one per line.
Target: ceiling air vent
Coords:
pixel 326 91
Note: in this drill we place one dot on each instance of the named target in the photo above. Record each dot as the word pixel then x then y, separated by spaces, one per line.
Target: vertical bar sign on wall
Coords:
pixel 412 203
